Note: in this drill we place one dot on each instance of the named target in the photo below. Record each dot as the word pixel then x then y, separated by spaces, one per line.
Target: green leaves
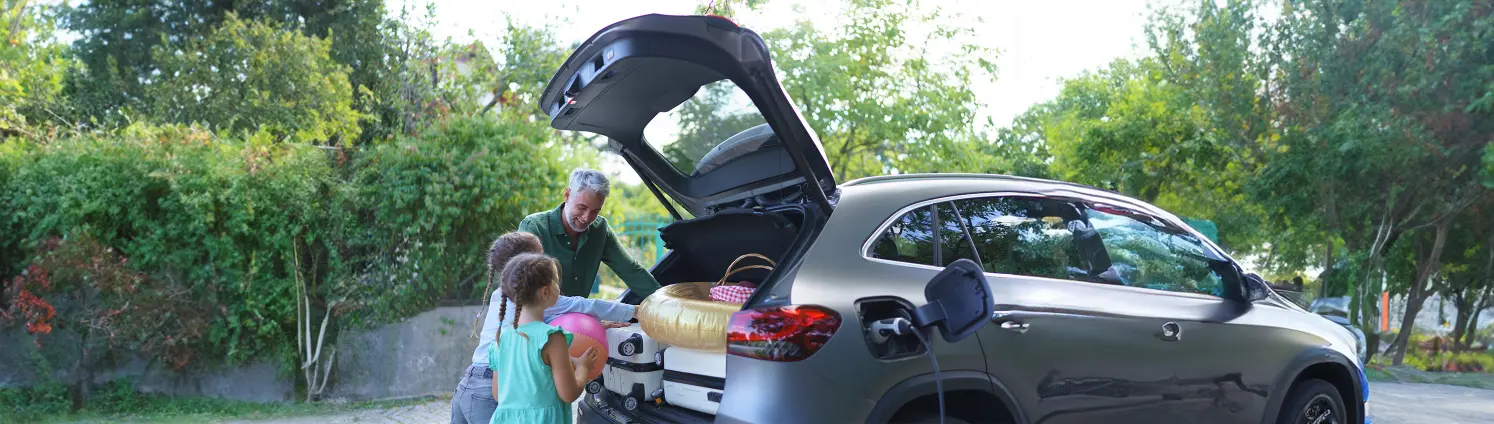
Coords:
pixel 250 76
pixel 32 63
pixel 879 101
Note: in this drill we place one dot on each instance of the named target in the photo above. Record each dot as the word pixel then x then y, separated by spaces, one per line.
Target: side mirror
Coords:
pixel 1256 288
pixel 959 301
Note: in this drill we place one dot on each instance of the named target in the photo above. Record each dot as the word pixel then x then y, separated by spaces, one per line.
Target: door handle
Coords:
pixel 1170 332
pixel 1009 320
pixel 1020 327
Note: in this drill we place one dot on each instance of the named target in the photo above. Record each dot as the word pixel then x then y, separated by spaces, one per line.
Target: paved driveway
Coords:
pixel 1410 403
pixel 1390 403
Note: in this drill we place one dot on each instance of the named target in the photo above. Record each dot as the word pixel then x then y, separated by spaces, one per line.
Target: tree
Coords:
pixel 880 100
pixel 32 63
pixel 92 308
pixel 248 75
pixel 117 43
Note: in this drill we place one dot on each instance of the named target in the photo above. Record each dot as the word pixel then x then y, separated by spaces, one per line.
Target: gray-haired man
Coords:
pixel 581 241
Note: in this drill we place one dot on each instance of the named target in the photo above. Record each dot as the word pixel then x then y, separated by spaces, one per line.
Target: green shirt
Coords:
pixel 578 265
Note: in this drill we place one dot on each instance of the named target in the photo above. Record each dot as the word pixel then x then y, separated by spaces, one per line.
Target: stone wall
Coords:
pixel 424 355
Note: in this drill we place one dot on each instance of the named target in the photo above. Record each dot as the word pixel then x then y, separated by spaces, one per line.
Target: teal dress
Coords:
pixel 526 387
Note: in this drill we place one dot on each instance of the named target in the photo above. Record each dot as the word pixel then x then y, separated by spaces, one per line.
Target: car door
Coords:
pixel 1070 343
pixel 1218 361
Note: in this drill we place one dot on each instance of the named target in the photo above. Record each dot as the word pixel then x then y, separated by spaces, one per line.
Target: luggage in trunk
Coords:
pixel 694 379
pixel 635 368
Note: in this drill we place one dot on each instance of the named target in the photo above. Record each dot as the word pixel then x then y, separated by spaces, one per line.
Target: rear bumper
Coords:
pixel 588 414
pixel 604 408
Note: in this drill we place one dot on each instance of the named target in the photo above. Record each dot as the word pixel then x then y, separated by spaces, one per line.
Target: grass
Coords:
pixel 117 402
pixel 1405 374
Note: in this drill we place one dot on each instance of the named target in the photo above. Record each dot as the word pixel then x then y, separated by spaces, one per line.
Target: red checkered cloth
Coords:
pixel 733 294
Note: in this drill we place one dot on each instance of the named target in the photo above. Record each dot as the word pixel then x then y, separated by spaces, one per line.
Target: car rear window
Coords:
pixel 687 133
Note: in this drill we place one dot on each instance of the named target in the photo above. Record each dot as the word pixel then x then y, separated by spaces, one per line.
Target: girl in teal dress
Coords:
pixel 534 378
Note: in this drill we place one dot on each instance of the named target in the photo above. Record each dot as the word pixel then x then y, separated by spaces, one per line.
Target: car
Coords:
pixel 1334 309
pixel 1083 305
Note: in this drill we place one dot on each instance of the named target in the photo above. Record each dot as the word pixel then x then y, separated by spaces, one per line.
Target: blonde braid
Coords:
pixel 486 296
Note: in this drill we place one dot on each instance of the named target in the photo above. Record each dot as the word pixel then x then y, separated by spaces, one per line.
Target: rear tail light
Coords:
pixel 782 334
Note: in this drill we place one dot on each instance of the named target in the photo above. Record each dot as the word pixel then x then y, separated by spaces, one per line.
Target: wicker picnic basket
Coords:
pixel 683 314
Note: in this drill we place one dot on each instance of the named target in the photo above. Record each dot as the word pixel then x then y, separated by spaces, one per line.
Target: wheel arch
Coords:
pixel 1327 365
pixel 909 392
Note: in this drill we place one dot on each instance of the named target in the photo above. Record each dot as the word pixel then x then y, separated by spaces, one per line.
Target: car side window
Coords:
pixel 1150 253
pixel 909 239
pixel 954 242
pixel 1023 236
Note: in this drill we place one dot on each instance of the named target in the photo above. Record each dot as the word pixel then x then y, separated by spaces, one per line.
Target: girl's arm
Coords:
pixel 569 378
pixel 602 309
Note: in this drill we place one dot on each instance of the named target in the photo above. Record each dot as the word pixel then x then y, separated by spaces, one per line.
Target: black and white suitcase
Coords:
pixel 694 379
pixel 635 368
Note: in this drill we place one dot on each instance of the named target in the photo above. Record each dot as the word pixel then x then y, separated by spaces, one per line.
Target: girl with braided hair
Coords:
pixel 539 377
pixel 472 401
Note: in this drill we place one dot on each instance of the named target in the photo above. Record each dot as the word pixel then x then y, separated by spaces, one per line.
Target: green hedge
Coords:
pixel 379 234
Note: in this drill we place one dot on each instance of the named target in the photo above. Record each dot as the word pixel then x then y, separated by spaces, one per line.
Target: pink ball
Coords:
pixel 583 324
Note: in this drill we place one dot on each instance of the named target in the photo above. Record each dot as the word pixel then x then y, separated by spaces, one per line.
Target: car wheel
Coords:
pixel 934 419
pixel 1314 402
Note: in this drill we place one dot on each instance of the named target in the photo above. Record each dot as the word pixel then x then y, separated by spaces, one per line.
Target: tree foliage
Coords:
pixel 881 97
pixel 250 76
pixel 32 64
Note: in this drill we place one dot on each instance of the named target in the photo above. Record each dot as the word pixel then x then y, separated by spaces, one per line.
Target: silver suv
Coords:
pixel 916 298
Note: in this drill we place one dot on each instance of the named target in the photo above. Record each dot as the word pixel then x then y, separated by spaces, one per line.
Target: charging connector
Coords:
pixel 884 329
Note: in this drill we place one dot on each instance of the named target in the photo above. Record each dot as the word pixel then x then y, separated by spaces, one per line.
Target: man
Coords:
pixel 581 241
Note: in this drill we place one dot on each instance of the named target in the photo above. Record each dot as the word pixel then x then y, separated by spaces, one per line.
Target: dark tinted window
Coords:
pixel 1147 252
pixel 953 242
pixel 909 239
pixel 1023 236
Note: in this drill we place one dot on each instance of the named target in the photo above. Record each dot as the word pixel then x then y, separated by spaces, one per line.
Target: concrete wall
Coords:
pixel 424 355
pixel 255 382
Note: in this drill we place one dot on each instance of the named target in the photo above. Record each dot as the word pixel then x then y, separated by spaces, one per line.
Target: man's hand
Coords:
pixel 614 324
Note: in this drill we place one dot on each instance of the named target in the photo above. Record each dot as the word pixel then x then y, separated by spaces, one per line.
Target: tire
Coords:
pixel 1314 402
pixel 933 419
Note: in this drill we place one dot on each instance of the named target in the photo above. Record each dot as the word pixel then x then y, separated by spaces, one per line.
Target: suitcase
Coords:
pixel 694 379
pixel 634 368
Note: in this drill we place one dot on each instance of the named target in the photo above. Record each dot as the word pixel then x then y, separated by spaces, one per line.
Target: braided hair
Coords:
pixel 505 247
pixel 523 278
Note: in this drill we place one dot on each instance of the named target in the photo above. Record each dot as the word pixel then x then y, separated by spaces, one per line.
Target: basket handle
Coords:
pixel 723 278
pixel 749 255
pixel 730 269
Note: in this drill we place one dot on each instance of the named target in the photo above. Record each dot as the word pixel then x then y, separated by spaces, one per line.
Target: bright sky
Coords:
pixel 1039 42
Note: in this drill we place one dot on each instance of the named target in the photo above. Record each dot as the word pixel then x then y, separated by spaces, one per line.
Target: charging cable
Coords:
pixel 883 330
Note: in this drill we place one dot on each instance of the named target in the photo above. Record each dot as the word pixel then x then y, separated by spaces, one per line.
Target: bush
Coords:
pixel 220 217
pixel 430 205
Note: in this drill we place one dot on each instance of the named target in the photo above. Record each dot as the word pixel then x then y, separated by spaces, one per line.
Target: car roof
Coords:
pixel 895 192
pixel 952 184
